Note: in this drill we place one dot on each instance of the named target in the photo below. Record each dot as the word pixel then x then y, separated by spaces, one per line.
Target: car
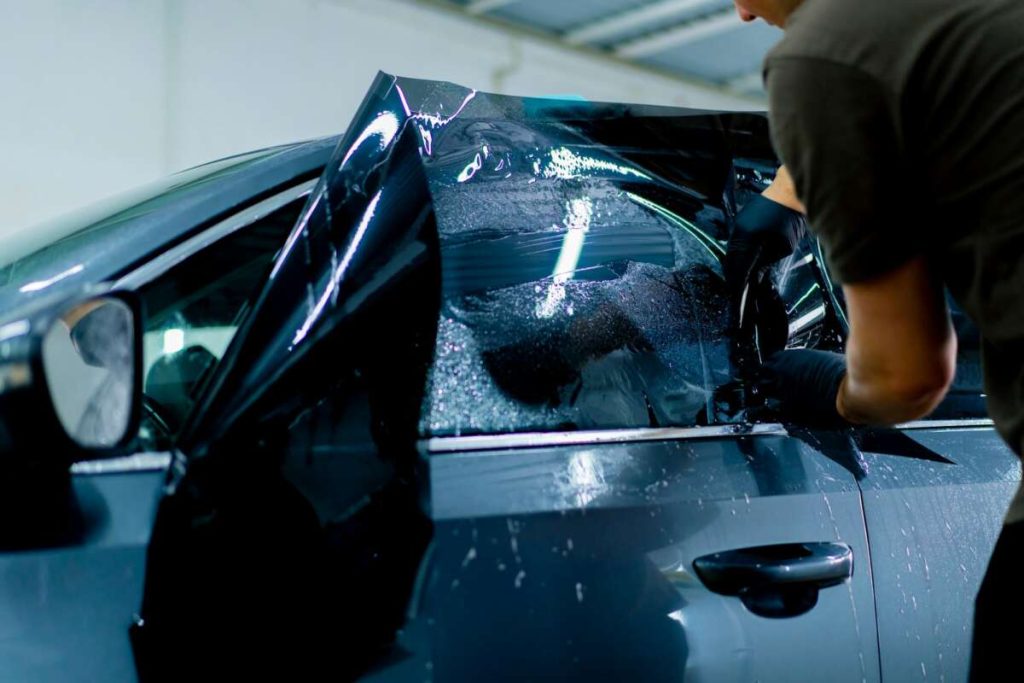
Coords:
pixel 453 396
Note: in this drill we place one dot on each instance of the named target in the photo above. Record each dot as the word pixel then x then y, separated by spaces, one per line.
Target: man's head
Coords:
pixel 774 12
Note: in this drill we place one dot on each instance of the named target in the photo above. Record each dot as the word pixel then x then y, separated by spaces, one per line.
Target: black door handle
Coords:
pixel 777 580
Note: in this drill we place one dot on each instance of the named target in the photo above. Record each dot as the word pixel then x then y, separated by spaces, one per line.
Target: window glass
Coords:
pixel 193 311
pixel 582 273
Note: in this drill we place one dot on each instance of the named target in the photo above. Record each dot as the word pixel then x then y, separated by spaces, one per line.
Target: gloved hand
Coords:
pixel 765 232
pixel 804 384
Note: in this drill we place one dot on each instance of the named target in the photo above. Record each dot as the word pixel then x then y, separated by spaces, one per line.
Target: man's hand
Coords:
pixel 901 351
pixel 804 384
pixel 766 230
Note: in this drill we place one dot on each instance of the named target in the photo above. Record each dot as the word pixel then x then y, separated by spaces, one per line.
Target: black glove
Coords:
pixel 805 383
pixel 765 232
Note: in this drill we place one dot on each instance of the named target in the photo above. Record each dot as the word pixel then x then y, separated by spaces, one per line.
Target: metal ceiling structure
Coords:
pixel 699 40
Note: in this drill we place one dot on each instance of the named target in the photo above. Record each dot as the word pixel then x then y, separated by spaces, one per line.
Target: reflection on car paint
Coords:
pixel 619 525
pixel 40 285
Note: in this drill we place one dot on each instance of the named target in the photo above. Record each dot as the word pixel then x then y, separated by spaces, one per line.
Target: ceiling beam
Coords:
pixel 622 22
pixel 484 6
pixel 526 32
pixel 684 34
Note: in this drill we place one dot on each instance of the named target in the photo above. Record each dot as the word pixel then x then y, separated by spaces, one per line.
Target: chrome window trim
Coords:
pixel 486 442
pixel 176 255
pixel 965 423
pixel 140 462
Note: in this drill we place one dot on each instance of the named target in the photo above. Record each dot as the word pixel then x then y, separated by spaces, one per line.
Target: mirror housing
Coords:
pixel 70 381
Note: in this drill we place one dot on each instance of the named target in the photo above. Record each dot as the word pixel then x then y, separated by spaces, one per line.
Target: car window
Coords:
pixel 581 293
pixel 193 311
pixel 581 248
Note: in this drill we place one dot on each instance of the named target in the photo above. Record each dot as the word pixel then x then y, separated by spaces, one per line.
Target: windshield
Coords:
pixel 581 249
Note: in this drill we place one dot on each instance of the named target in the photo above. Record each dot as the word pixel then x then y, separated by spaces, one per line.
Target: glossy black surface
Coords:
pixel 578 562
pixel 315 408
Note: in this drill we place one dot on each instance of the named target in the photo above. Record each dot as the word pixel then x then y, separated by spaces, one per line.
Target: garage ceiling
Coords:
pixel 700 40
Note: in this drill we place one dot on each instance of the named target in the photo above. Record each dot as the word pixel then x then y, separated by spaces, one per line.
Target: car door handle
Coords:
pixel 777 580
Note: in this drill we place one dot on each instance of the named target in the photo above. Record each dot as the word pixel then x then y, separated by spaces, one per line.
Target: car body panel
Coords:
pixel 579 562
pixel 933 526
pixel 65 611
pixel 935 494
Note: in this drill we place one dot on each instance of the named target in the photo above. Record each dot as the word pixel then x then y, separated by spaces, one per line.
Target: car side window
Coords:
pixel 192 313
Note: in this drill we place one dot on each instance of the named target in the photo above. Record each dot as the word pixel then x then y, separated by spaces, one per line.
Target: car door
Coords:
pixel 611 547
pixel 617 560
pixel 934 492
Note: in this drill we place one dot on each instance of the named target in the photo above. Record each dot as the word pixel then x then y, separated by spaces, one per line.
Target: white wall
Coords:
pixel 103 95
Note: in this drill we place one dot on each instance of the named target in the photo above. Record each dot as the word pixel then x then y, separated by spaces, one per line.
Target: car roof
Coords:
pixel 106 240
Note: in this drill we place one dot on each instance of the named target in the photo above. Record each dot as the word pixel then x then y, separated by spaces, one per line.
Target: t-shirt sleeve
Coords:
pixel 837 130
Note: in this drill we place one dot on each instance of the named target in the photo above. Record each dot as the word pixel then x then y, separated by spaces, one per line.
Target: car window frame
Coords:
pixel 146 273
pixel 453 445
pixel 161 264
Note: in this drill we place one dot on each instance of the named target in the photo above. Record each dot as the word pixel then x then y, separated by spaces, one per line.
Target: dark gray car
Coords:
pixel 454 397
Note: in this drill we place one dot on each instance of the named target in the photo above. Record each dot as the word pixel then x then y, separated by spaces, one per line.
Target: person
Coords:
pixel 902 124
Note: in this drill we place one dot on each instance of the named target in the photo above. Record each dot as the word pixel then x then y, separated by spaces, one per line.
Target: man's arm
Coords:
pixel 839 130
pixel 783 191
pixel 901 352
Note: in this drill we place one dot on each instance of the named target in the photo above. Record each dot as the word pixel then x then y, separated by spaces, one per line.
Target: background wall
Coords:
pixel 102 95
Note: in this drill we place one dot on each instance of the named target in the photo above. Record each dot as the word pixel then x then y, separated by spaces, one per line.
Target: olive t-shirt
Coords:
pixel 902 123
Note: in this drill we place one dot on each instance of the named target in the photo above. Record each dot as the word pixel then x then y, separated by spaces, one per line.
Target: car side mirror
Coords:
pixel 70 380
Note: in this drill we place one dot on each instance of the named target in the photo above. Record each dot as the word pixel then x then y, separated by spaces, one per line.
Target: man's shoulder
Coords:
pixel 877 37
pixel 828 29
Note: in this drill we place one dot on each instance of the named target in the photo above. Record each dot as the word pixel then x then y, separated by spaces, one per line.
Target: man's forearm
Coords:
pixel 901 349
pixel 783 191
pixel 878 406
pixel 873 394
